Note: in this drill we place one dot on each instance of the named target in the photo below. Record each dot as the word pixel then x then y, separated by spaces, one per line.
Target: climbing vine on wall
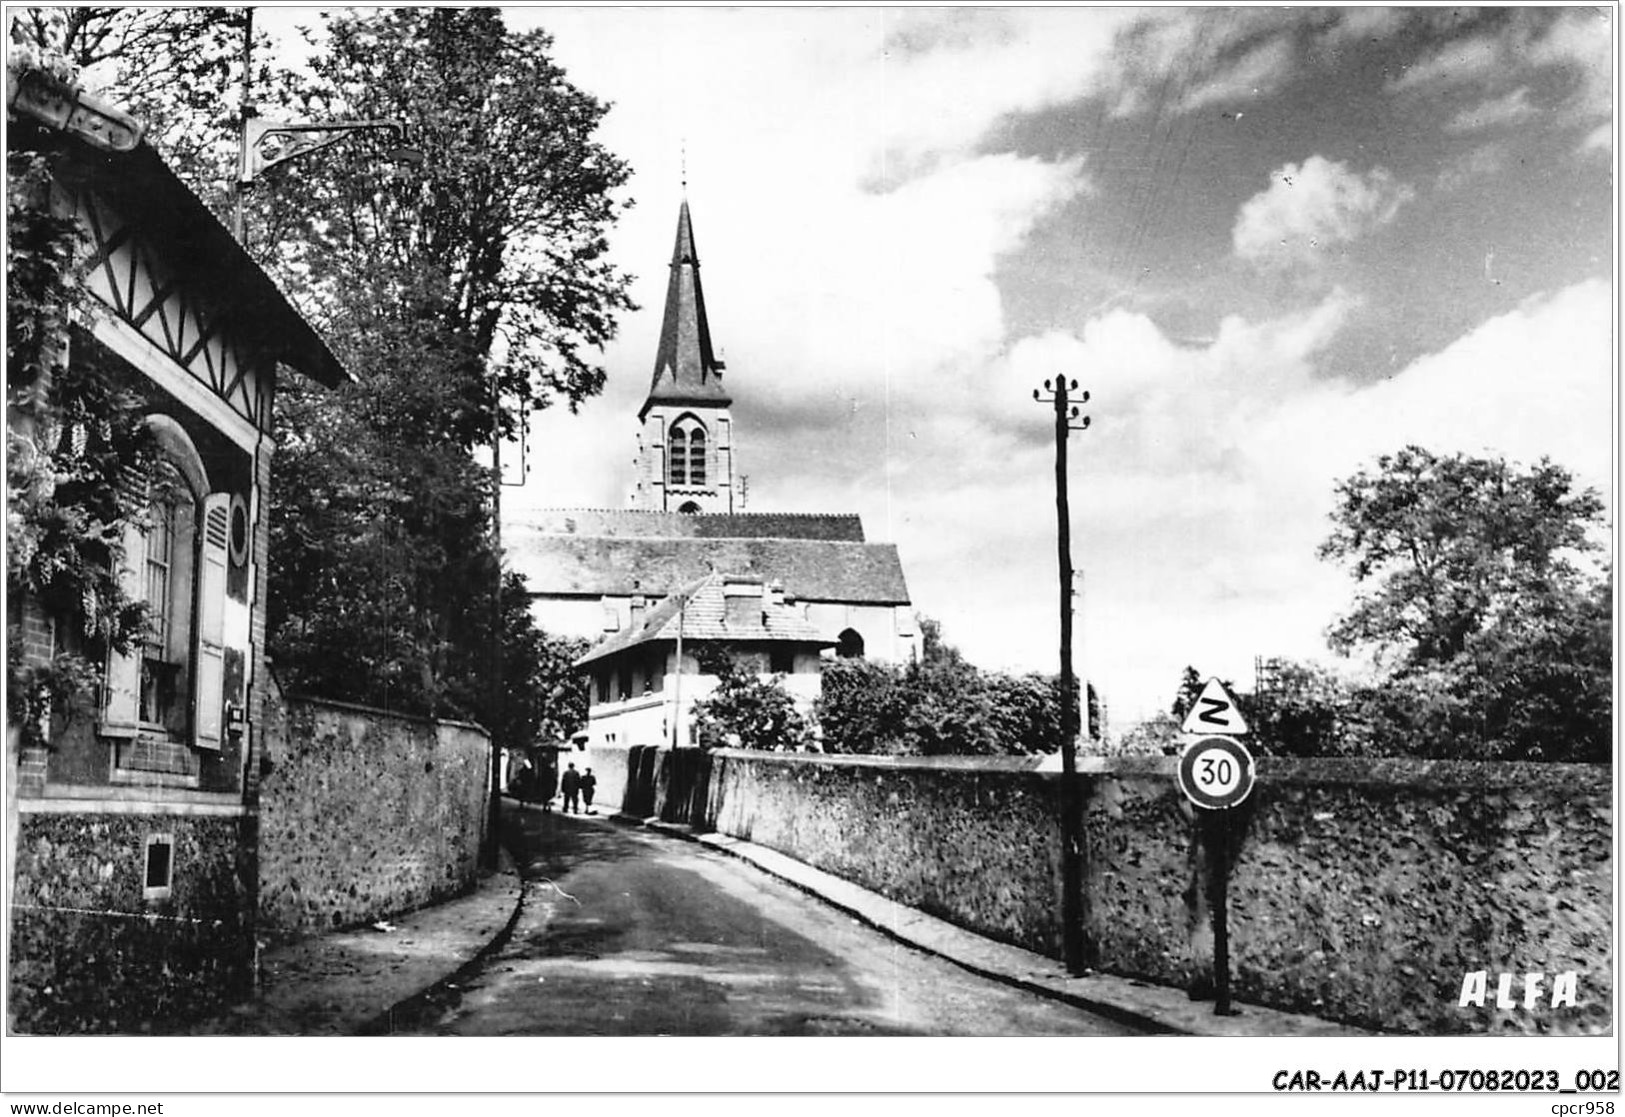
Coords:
pixel 74 433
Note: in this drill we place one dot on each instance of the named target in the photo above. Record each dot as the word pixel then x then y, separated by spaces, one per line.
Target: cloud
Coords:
pixel 1581 39
pixel 1510 108
pixel 1312 207
pixel 1204 485
pixel 1260 70
pixel 1479 163
pixel 1465 61
pixel 1348 27
pixel 1178 61
pixel 1600 138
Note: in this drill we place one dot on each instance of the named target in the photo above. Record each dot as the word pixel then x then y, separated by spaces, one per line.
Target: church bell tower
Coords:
pixel 685 441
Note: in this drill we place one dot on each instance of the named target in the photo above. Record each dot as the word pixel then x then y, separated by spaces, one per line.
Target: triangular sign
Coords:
pixel 1215 711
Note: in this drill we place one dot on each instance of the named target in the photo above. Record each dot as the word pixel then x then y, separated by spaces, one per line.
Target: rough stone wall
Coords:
pixel 90 955
pixel 364 814
pixel 1362 892
pixel 978 846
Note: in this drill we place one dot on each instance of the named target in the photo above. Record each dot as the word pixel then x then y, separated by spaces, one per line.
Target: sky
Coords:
pixel 1271 243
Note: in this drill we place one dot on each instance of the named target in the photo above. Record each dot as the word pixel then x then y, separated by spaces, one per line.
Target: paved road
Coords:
pixel 633 933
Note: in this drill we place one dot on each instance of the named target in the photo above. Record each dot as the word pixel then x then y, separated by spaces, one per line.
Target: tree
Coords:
pixel 168 67
pixel 1452 546
pixel 1306 710
pixel 460 295
pixel 1499 644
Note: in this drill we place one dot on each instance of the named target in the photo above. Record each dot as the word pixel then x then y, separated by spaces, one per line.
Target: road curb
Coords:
pixel 804 881
pixel 383 1023
pixel 1178 1016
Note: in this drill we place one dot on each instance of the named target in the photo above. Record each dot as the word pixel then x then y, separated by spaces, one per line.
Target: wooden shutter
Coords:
pixel 121 690
pixel 209 652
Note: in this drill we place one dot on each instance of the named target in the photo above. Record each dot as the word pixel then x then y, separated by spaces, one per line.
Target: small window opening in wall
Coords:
pixel 160 867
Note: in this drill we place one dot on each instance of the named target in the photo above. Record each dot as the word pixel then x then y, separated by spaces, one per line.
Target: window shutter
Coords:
pixel 209 653
pixel 121 692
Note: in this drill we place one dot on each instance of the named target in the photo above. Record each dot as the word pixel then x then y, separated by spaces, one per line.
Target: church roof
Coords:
pixel 700 610
pixel 843 527
pixel 686 370
pixel 820 570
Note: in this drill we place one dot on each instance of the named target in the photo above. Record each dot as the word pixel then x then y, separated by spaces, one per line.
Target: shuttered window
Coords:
pixel 210 651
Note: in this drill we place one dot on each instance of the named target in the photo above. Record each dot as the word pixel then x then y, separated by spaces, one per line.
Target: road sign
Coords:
pixel 1216 772
pixel 1214 712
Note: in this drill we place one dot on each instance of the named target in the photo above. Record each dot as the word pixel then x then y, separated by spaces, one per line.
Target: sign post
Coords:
pixel 1216 773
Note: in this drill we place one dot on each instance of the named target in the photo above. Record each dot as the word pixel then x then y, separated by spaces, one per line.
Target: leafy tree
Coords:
pixel 1499 643
pixel 1190 688
pixel 745 711
pixel 461 295
pixel 1452 545
pixel 169 67
pixel 1306 710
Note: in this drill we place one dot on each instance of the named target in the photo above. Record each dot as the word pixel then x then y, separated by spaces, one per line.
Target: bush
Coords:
pixel 746 712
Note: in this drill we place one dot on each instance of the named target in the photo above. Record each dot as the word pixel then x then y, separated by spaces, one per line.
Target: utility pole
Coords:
pixel 493 814
pixel 1075 949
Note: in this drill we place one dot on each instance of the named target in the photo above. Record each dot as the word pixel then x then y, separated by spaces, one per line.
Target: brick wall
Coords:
pixel 1361 891
pixel 364 814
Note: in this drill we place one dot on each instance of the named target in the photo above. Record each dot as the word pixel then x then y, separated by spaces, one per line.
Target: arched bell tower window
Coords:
pixel 850 644
pixel 696 456
pixel 677 458
pixel 686 453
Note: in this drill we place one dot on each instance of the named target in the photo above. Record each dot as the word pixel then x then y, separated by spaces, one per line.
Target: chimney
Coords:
pixel 639 607
pixel 742 603
pixel 775 593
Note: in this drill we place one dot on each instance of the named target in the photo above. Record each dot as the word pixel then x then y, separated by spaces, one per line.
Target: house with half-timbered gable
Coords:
pixel 134 871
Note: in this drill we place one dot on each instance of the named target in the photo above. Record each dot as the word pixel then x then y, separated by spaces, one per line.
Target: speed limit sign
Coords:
pixel 1216 772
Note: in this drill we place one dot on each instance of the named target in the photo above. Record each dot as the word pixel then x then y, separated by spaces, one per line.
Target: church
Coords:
pixel 593 572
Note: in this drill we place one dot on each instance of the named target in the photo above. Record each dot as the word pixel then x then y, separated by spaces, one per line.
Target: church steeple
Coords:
pixel 685 449
pixel 686 370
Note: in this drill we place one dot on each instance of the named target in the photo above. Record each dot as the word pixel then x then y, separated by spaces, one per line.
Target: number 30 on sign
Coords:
pixel 1216 772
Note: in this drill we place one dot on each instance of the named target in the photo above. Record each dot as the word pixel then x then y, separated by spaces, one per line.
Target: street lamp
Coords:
pixel 264 144
pixel 1073 945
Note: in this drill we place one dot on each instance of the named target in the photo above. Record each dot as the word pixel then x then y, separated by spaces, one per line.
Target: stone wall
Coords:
pixel 1361 892
pixel 90 953
pixel 364 813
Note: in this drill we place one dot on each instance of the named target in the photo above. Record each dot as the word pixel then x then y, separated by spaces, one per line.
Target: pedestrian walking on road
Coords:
pixel 572 790
pixel 589 784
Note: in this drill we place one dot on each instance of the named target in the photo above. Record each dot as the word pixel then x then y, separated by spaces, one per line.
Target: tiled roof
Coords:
pixel 809 569
pixel 147 192
pixel 843 528
pixel 700 610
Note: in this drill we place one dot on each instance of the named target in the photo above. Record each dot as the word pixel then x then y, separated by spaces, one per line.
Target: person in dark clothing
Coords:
pixel 589 784
pixel 572 790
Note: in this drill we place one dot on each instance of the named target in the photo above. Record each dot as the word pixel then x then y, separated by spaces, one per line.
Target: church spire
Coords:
pixel 686 370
